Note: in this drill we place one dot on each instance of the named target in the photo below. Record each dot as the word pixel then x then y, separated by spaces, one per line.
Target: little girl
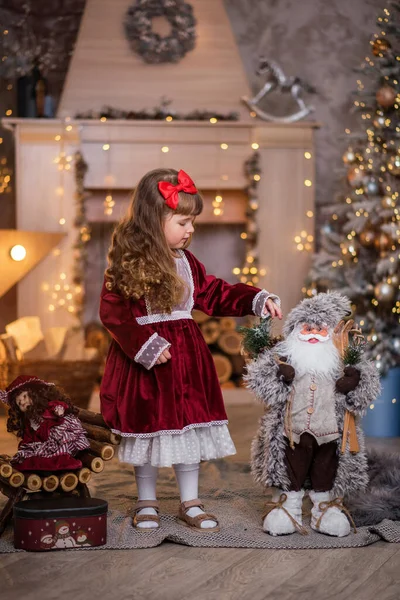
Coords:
pixel 45 420
pixel 160 390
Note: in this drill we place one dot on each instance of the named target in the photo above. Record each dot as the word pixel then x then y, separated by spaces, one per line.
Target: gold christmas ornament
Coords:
pixel 379 122
pixel 386 96
pixel 382 241
pixel 349 156
pixel 388 202
pixel 367 238
pixel 394 280
pixel 355 176
pixel 384 291
pixel 380 46
pixel 394 164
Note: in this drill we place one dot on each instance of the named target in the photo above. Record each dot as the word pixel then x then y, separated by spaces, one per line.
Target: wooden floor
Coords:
pixel 174 572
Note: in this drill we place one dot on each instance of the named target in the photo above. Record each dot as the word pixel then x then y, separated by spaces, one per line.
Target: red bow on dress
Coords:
pixel 170 192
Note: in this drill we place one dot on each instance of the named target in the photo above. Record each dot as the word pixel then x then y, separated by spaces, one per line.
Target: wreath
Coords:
pixel 150 45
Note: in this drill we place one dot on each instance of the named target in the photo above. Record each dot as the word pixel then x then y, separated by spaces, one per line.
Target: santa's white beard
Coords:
pixel 321 358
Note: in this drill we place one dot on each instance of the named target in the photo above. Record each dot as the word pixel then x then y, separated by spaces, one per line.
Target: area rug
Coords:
pixel 227 489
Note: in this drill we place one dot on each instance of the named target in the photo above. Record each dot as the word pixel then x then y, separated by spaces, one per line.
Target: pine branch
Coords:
pixel 257 338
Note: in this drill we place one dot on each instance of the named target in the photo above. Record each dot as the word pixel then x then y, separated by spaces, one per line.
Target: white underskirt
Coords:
pixel 190 447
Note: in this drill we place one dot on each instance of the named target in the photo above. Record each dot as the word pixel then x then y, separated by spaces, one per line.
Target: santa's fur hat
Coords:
pixel 325 309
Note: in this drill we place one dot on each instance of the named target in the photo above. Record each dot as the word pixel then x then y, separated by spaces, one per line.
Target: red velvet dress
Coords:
pixel 143 401
pixel 49 445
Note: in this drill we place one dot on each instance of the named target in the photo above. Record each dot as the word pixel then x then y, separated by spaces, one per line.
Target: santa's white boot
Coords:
pixel 327 518
pixel 282 519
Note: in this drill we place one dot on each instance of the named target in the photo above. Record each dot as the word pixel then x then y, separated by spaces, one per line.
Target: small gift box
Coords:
pixel 60 523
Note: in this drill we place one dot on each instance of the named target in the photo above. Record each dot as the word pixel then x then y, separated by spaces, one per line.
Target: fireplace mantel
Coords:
pixel 286 187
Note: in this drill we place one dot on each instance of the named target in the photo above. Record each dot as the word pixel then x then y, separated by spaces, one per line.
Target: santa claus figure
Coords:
pixel 311 397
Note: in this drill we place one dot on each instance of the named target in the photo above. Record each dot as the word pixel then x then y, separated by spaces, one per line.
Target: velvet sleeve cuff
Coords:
pixel 151 351
pixel 260 300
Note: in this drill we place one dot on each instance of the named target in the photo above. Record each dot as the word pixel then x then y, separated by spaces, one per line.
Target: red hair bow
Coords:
pixel 170 192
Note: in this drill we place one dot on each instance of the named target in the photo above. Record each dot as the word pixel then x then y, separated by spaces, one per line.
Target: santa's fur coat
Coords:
pixel 268 448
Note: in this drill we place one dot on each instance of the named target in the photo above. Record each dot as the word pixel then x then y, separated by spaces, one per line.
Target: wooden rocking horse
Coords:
pixel 277 80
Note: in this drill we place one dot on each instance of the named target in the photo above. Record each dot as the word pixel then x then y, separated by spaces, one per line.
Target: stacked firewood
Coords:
pixel 225 345
pixel 102 444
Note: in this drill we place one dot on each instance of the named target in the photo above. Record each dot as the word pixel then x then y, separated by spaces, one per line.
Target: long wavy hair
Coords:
pixel 41 395
pixel 140 262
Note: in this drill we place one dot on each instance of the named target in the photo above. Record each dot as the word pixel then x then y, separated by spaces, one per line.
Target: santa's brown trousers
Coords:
pixel 308 459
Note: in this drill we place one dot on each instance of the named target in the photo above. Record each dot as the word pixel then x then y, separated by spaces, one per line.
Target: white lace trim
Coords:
pixel 193 446
pixel 263 295
pixel 158 318
pixel 169 431
pixel 145 345
pixel 175 315
pixel 189 272
pixel 161 350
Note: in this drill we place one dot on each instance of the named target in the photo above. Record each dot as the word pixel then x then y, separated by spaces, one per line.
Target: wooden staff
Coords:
pixel 341 341
pixel 105 451
pixel 100 434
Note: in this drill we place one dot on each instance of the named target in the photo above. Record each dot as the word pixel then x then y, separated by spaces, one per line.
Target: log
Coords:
pixel 16 479
pixel 68 482
pixel 230 342
pixel 83 490
pixel 227 323
pixel 105 451
pixel 50 483
pixel 238 364
pixel 14 495
pixel 5 468
pixel 6 488
pixel 33 482
pixel 223 367
pixel 87 416
pixel 199 316
pixel 100 434
pixel 211 331
pixel 92 462
pixel 228 385
pixel 84 475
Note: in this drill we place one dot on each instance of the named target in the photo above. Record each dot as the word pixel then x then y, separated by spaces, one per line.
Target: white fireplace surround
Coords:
pixel 286 188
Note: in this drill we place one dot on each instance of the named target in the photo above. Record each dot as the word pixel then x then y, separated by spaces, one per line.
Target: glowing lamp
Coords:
pixel 18 253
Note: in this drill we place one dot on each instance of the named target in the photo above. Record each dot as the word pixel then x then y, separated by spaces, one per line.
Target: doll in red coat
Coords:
pixel 160 390
pixel 45 420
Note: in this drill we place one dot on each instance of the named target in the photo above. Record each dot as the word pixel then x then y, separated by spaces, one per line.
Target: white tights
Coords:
pixel 187 477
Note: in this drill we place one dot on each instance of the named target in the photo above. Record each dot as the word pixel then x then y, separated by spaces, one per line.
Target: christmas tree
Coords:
pixel 360 241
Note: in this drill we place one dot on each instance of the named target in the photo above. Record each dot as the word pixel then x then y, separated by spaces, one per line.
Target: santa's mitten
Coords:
pixel 286 372
pixel 349 381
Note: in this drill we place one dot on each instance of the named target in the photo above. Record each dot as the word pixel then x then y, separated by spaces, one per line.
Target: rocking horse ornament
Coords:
pixel 277 80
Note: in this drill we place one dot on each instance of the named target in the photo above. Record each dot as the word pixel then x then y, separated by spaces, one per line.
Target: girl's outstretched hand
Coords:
pixel 272 309
pixel 164 357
